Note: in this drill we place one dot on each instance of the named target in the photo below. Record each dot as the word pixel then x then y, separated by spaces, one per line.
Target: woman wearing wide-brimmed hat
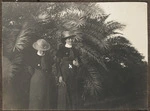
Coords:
pixel 40 76
pixel 67 66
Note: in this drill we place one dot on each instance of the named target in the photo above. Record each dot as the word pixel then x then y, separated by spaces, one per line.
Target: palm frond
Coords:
pixel 96 26
pixel 8 41
pixel 17 59
pixel 8 68
pixel 43 17
pixel 92 84
pixel 112 26
pixel 17 39
pixel 21 41
pixel 89 9
pixel 92 54
pixel 93 41
pixel 93 30
pixel 8 36
pixel 72 18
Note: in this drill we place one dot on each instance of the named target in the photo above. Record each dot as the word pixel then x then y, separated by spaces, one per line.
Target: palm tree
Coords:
pixel 98 40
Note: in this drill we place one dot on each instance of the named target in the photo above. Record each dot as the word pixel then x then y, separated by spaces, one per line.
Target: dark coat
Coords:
pixel 33 60
pixel 67 94
pixel 42 83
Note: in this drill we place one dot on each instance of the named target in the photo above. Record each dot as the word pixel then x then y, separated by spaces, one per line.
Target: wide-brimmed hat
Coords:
pixel 67 34
pixel 41 44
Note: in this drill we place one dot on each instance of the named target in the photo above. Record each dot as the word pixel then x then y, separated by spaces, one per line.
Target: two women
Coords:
pixel 67 68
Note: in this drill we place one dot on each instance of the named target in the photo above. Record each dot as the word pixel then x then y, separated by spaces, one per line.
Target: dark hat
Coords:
pixel 67 34
pixel 41 44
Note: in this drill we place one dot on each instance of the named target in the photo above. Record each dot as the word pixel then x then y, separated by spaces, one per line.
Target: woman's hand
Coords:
pixel 76 63
pixel 61 82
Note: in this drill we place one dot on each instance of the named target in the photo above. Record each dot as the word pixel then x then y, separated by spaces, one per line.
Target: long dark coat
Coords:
pixel 42 94
pixel 67 95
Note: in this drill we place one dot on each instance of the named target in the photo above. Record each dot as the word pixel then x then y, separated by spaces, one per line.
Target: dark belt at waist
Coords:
pixel 66 59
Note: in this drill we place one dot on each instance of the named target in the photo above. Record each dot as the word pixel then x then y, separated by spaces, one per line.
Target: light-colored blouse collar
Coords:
pixel 68 45
pixel 38 53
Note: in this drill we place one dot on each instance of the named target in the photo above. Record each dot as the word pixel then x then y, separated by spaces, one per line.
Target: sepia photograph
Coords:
pixel 74 55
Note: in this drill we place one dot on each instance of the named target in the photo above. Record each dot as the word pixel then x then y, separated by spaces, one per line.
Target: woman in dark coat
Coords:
pixel 40 76
pixel 67 66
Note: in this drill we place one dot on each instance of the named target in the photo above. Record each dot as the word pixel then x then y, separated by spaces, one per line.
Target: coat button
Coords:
pixel 38 64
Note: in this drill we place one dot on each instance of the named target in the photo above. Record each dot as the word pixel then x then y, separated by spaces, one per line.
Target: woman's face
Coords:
pixel 69 41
